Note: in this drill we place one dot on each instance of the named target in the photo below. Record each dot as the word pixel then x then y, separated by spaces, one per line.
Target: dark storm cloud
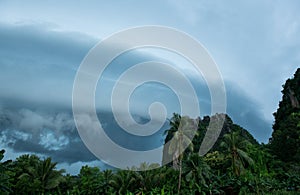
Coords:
pixel 43 42
pixel 38 65
pixel 247 113
pixel 52 134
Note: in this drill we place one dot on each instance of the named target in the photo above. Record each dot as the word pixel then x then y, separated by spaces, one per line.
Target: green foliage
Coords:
pixel 89 178
pixel 236 147
pixel 35 175
pixel 217 161
pixel 200 175
pixel 5 174
pixel 236 164
pixel 180 137
pixel 285 141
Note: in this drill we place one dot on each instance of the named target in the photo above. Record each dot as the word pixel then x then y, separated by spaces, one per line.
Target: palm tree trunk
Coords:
pixel 234 164
pixel 180 173
pixel 180 163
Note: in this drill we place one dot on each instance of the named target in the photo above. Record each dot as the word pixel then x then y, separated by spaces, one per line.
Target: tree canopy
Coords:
pixel 236 164
pixel 285 141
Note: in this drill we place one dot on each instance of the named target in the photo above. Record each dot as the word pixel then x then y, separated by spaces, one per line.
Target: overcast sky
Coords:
pixel 256 45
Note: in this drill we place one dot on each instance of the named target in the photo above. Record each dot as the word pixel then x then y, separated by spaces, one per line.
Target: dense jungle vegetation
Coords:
pixel 237 163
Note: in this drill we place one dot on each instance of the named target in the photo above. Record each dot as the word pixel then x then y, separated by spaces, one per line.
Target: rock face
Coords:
pixel 285 141
pixel 293 98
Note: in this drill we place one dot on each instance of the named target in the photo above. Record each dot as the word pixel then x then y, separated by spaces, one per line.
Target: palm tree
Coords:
pixel 44 174
pixel 196 169
pixel 23 182
pixel 123 181
pixel 90 180
pixel 236 147
pixel 181 133
pixel 107 180
pixel 4 176
pixel 50 178
pixel 148 177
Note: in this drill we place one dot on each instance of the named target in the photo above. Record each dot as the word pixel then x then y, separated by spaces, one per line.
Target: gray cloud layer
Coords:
pixel 38 66
pixel 52 134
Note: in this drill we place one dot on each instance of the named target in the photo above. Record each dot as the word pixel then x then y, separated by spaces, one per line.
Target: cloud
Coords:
pixel 247 112
pixel 52 134
pixel 256 52
pixel 31 53
pixel 74 168
pixel 38 65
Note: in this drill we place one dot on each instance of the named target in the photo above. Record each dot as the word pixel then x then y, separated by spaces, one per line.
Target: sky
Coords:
pixel 255 44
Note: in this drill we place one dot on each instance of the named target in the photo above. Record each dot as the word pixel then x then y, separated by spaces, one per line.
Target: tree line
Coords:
pixel 236 164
